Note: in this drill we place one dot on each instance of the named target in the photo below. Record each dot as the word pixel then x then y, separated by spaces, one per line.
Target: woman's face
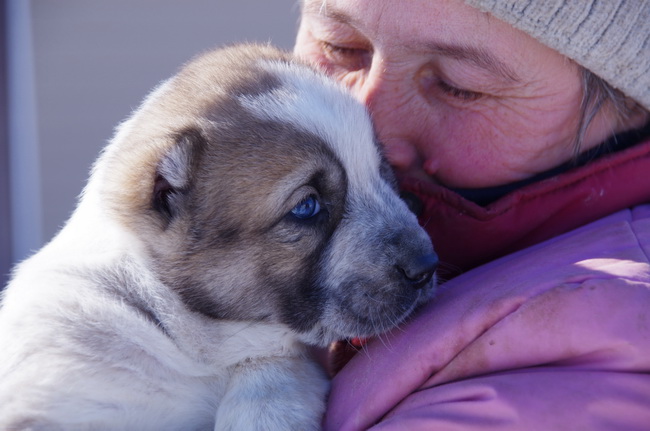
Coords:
pixel 457 95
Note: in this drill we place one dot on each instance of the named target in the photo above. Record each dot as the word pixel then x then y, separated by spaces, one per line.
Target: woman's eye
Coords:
pixel 458 93
pixel 433 85
pixel 307 208
pixel 348 57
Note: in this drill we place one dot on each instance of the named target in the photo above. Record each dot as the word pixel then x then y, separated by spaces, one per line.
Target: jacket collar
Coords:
pixel 466 234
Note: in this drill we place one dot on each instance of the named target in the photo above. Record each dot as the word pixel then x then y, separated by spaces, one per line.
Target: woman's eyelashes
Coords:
pixel 432 86
pixel 346 57
pixel 458 93
pixel 342 57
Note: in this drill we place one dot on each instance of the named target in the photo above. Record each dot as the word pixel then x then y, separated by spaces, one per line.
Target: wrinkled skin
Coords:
pixel 458 96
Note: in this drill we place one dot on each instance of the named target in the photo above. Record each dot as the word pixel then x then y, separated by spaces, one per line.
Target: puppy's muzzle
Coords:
pixel 419 271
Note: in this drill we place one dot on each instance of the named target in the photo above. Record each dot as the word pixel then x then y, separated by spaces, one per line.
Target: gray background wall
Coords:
pixel 78 67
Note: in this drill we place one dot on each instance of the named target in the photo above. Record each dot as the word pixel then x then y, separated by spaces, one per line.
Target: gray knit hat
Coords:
pixel 611 38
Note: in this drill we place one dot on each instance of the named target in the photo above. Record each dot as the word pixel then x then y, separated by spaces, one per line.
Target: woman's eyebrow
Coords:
pixel 477 56
pixel 321 8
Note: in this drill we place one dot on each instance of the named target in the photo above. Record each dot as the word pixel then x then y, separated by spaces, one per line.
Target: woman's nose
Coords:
pixel 375 87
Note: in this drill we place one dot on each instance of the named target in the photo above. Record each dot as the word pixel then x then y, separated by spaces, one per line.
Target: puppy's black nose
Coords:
pixel 418 271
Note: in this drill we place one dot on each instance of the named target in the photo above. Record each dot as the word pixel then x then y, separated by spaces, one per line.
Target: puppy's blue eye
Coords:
pixel 308 208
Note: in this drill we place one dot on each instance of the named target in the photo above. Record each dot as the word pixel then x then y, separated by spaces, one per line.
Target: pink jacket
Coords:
pixel 553 337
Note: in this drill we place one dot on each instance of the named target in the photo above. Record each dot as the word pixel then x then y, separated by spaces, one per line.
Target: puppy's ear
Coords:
pixel 173 175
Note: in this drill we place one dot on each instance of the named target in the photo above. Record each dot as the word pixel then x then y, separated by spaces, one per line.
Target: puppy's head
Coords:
pixel 259 193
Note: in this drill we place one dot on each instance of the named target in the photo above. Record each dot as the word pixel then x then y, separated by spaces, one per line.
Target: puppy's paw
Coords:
pixel 274 394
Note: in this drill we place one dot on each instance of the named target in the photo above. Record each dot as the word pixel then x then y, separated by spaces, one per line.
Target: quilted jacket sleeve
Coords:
pixel 556 337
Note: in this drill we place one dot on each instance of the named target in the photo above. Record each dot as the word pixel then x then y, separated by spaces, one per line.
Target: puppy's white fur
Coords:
pixel 181 292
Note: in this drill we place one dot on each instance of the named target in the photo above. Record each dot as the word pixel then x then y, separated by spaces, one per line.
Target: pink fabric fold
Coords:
pixel 556 336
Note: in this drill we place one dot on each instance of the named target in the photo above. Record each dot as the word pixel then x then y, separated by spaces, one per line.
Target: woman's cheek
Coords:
pixel 476 149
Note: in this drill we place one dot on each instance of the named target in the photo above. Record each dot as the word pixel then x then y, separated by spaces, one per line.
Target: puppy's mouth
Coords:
pixel 340 352
pixel 368 314
pixel 360 309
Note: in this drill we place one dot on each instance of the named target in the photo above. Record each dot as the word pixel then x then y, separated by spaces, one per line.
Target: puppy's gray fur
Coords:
pixel 243 211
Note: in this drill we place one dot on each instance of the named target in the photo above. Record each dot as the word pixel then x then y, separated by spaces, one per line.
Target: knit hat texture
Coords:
pixel 611 38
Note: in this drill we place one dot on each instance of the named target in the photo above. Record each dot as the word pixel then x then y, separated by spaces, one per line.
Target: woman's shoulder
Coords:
pixel 526 333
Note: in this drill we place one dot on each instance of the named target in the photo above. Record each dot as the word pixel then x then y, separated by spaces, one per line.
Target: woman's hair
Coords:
pixel 596 95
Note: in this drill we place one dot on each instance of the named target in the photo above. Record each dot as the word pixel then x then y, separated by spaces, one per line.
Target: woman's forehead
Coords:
pixel 443 27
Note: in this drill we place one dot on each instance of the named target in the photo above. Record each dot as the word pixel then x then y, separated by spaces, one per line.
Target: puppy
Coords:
pixel 243 212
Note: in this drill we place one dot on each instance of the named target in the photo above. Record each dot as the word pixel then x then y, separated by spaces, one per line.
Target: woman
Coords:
pixel 520 134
